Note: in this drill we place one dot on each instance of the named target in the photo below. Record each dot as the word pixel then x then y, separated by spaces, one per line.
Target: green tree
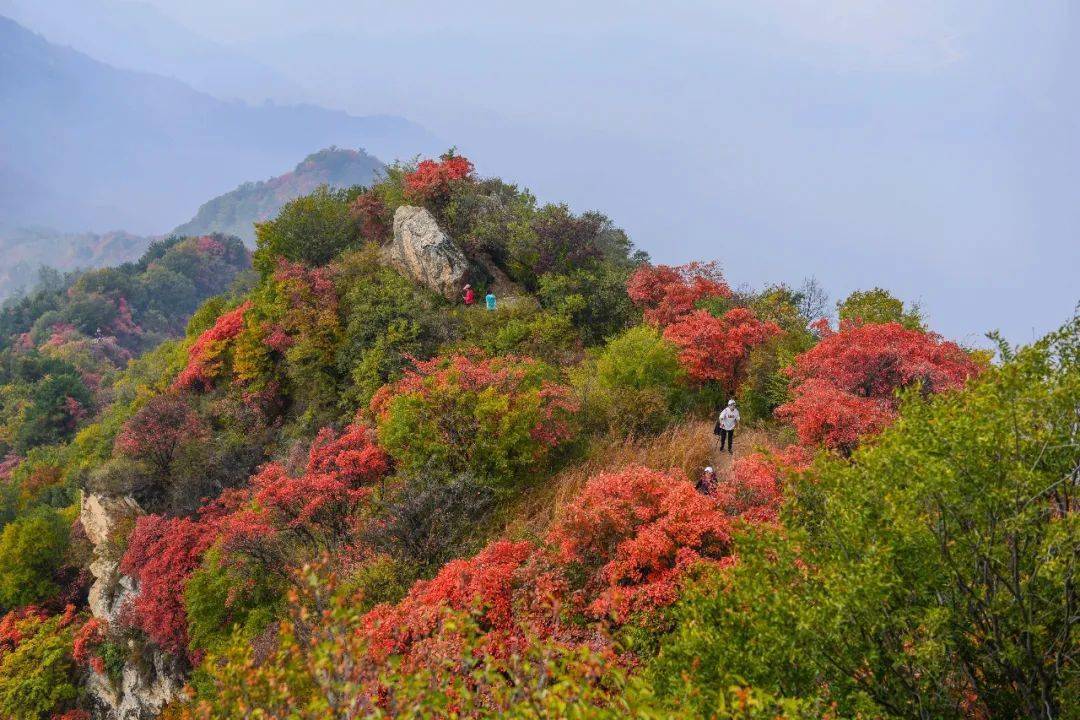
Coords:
pixel 594 299
pixel 53 411
pixel 766 385
pixel 221 598
pixel 312 229
pixel 879 306
pixel 635 383
pixel 38 676
pixel 32 549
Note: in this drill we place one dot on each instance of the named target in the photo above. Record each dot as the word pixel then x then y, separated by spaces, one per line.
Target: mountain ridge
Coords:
pixel 236 211
pixel 93 146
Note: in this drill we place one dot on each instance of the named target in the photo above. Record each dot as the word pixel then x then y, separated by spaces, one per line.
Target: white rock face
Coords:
pixel 422 251
pixel 146 686
pixel 100 515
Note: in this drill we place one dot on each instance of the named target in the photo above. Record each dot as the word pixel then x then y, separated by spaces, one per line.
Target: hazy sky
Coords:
pixel 928 147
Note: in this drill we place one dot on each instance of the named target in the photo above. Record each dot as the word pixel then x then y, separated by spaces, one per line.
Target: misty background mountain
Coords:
pixel 137 36
pixel 88 146
pixel 237 211
pixel 27 249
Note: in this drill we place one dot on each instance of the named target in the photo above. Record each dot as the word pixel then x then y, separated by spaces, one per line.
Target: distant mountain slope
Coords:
pixel 90 146
pixel 236 211
pixel 138 36
pixel 26 250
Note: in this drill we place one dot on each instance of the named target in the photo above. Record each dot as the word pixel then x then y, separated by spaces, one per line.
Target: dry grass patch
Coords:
pixel 685 448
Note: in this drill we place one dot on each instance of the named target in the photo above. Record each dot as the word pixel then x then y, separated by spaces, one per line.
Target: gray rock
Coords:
pixel 422 251
pixel 144 688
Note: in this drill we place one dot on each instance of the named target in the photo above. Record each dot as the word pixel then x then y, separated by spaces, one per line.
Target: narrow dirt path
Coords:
pixel 746 441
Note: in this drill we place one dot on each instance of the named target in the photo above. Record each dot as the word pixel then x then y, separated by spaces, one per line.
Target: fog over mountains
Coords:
pixel 88 146
pixel 137 36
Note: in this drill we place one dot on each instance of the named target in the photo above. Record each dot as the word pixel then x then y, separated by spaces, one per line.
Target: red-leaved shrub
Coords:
pixel 845 386
pixel 717 348
pixel 161 554
pixel 666 293
pixel 205 356
pixel 754 489
pixel 432 180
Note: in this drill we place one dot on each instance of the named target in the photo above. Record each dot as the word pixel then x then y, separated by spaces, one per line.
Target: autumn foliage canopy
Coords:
pixel 846 385
pixel 205 357
pixel 432 180
pixel 716 348
pixel 667 293
pixel 318 506
pixel 621 549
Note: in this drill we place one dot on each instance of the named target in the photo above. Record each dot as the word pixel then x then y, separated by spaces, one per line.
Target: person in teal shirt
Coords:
pixel 490 300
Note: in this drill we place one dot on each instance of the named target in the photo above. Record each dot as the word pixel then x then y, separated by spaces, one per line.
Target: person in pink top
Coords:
pixel 469 295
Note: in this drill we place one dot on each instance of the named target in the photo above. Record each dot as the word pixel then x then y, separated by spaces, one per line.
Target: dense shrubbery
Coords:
pixel 36 664
pixel 500 418
pixel 65 343
pixel 846 386
pixel 479 548
pixel 932 575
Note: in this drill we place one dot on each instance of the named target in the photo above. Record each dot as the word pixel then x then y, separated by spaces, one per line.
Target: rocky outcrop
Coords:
pixel 151 679
pixel 143 690
pixel 422 251
pixel 101 517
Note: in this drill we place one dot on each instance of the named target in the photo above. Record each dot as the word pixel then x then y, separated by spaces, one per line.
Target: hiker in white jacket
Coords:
pixel 726 424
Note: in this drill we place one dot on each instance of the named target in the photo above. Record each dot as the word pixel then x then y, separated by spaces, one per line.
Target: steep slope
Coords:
pixel 90 146
pixel 342 484
pixel 235 212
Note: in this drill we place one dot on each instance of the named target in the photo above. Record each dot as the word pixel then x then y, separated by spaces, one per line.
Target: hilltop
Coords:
pixel 29 249
pixel 347 492
pixel 237 211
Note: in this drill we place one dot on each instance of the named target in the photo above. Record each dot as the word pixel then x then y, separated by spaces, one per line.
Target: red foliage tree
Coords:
pixel 75 714
pixel 13 626
pixel 622 547
pixel 485 583
pixel 159 430
pixel 85 643
pixel 754 489
pixel 206 355
pixel 433 180
pixel 823 413
pixel 636 532
pixel 276 511
pixel 667 293
pixel 321 504
pixel 712 348
pixel 373 216
pixel 161 554
pixel 846 385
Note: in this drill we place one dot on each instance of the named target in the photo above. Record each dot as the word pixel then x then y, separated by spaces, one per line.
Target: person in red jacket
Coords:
pixel 469 295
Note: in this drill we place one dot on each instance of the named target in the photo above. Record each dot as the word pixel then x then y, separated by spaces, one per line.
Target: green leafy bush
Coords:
pixel 635 383
pixel 878 306
pixel 222 600
pixel 501 419
pixel 311 229
pixel 37 676
pixel 32 549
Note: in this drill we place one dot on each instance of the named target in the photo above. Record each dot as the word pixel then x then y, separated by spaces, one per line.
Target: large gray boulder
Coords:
pixel 422 251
